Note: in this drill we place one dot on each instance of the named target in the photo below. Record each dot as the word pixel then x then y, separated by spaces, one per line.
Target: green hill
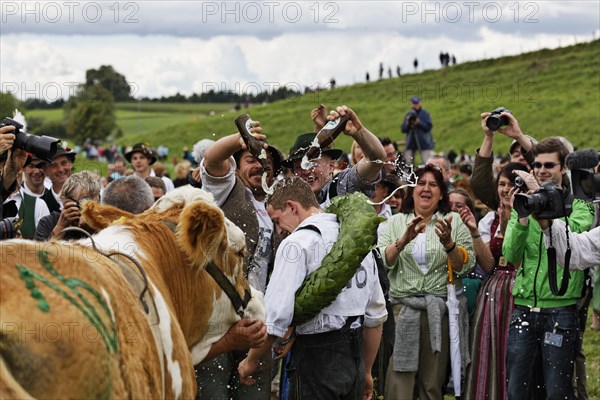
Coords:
pixel 551 92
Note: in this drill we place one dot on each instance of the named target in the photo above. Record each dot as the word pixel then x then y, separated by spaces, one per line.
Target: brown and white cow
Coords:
pixel 72 325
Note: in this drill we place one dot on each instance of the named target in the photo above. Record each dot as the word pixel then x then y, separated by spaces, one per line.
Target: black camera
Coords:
pixel 520 184
pixel 9 227
pixel 585 183
pixel 548 202
pixel 411 116
pixel 496 120
pixel 43 147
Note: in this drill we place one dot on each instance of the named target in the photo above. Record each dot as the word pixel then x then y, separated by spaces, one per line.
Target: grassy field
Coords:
pixel 591 345
pixel 551 92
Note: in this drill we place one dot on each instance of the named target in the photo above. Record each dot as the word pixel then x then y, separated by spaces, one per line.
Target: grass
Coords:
pixel 591 346
pixel 551 92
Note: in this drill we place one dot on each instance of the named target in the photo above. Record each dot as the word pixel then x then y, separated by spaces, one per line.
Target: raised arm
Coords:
pixel 368 142
pixel 216 158
pixel 483 173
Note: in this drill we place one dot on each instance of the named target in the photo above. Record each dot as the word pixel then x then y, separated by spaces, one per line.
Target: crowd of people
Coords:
pixel 387 332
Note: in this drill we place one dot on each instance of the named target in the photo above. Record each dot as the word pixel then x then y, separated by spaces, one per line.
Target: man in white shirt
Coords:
pixel 333 353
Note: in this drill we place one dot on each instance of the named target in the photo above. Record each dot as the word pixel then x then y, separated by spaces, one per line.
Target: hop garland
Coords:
pixel 358 232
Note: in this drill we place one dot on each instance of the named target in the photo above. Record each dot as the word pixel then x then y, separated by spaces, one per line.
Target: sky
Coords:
pixel 247 46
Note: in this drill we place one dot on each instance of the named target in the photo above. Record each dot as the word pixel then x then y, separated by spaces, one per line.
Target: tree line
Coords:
pixel 90 112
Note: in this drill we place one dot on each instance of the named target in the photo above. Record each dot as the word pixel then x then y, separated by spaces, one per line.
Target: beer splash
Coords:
pixel 405 172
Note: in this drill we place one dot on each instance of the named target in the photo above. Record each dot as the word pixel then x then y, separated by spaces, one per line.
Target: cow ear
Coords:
pixel 99 216
pixel 202 232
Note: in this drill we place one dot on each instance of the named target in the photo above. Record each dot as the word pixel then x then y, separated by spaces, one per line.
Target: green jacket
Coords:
pixel 525 244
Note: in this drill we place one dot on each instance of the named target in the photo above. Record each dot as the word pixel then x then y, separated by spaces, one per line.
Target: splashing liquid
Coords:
pixel 255 147
pixel 405 172
pixel 323 139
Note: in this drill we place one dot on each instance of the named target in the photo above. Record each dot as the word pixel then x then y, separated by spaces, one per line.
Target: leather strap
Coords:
pixel 238 303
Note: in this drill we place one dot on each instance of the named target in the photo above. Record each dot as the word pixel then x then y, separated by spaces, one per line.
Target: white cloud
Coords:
pixel 190 47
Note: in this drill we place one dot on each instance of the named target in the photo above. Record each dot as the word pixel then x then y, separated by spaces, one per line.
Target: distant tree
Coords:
pixel 8 103
pixel 55 129
pixel 111 80
pixel 90 113
pixel 41 104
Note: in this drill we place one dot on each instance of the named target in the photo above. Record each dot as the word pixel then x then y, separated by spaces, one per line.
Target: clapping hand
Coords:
pixel 468 219
pixel 443 228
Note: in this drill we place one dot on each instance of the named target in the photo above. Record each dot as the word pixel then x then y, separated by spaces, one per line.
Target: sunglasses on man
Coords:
pixel 547 165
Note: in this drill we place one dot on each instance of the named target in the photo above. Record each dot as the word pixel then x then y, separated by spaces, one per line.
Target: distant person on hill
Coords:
pixel 416 64
pixel 380 70
pixel 398 71
pixel 367 77
pixel 417 127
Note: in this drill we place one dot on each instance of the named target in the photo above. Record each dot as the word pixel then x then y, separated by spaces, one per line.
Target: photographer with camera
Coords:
pixel 417 125
pixel 584 248
pixel 11 163
pixel 482 180
pixel 543 323
pixel 79 187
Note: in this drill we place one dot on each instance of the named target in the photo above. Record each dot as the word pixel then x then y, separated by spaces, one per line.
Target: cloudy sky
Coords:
pixel 194 46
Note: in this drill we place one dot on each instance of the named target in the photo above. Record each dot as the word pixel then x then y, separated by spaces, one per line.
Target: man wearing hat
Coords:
pixel 417 125
pixel 231 173
pixel 141 157
pixel 25 201
pixel 359 178
pixel 57 173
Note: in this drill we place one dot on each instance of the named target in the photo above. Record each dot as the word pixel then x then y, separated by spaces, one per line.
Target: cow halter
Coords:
pixel 224 283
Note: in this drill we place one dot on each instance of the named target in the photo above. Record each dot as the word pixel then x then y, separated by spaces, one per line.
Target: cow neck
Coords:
pixel 239 304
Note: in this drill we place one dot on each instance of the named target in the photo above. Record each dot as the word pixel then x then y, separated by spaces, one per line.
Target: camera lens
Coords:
pixel 493 122
pixel 525 204
pixel 519 183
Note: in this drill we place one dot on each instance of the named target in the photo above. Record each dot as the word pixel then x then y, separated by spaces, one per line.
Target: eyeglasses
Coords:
pixel 547 165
